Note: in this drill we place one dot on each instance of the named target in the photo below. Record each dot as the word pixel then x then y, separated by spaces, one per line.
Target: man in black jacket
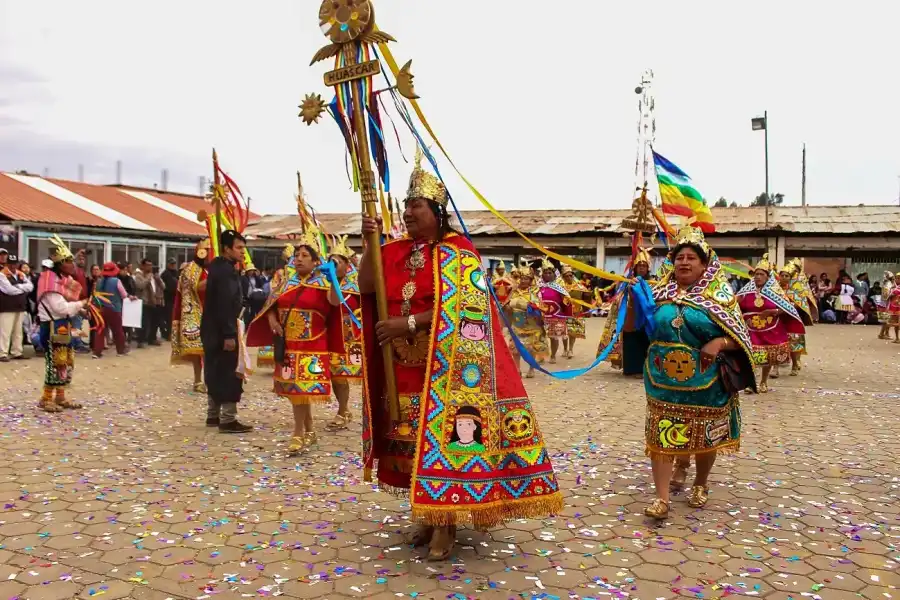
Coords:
pixel 170 280
pixel 218 331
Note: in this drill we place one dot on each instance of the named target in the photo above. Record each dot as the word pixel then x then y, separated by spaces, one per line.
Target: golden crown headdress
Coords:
pixel 693 236
pixel 642 257
pixel 790 268
pixel 201 250
pixel 567 269
pixel 288 252
pixel 501 266
pixel 59 252
pixel 340 248
pixel 311 238
pixel 546 264
pixel 764 264
pixel 425 185
pixel 524 270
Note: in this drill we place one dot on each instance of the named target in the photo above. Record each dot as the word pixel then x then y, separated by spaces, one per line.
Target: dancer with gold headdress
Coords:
pixel 502 283
pixel 798 293
pixel 631 349
pixel 187 312
pixel 691 409
pixel 557 309
pixel 265 356
pixel 346 366
pixel 885 316
pixel 575 326
pixel 300 312
pixel 771 319
pixel 468 448
pixel 57 301
pixel 524 312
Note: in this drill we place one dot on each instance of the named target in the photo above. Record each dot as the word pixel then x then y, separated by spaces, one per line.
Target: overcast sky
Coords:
pixel 534 100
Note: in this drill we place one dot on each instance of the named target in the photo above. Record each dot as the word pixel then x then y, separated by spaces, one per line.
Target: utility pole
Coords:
pixel 803 180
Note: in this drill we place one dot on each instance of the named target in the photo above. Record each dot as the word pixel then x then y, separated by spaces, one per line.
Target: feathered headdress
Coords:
pixel 312 238
pixel 339 247
pixel 791 268
pixel 425 185
pixel 59 252
pixel 546 264
pixel 288 252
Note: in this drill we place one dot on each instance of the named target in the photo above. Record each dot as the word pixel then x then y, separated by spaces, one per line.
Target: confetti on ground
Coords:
pixel 134 492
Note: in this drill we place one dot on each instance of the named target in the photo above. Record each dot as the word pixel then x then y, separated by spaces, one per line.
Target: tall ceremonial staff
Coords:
pixel 350 27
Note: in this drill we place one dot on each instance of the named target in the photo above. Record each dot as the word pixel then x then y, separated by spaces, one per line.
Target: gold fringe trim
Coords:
pixel 396 492
pixel 669 455
pixel 307 399
pixel 489 515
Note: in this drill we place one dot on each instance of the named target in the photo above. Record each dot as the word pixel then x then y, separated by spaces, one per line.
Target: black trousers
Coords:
pixel 150 323
pixel 222 383
pixel 165 321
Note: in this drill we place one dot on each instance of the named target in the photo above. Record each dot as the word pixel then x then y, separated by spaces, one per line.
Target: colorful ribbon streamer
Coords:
pixel 329 270
pixel 577 264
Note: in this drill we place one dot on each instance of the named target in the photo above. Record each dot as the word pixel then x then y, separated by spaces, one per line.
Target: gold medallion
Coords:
pixel 678 321
pixel 415 261
pixel 759 302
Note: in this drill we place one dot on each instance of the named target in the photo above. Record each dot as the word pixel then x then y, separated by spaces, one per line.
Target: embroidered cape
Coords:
pixel 713 294
pixel 772 291
pixel 470 373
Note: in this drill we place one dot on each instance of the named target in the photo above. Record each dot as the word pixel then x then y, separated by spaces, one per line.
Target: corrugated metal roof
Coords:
pixel 810 220
pixel 20 202
pixel 163 212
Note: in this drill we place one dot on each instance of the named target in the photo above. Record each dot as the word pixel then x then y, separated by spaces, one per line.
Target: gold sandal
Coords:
pixel 679 476
pixel 62 401
pixel 658 510
pixel 422 537
pixel 309 440
pixel 200 387
pixel 442 543
pixel 296 446
pixel 341 421
pixel 699 496
pixel 763 388
pixel 49 406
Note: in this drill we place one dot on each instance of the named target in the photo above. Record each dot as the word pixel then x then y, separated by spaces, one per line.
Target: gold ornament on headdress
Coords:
pixel 341 249
pixel 764 264
pixel 425 185
pixel 642 257
pixel 546 264
pixel 202 249
pixel 311 238
pixel 288 252
pixel 693 236
pixel 790 268
pixel 501 266
pixel 524 270
pixel 59 252
pixel 567 269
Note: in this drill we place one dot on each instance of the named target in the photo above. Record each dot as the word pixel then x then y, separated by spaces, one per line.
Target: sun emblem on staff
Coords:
pixel 345 21
pixel 312 108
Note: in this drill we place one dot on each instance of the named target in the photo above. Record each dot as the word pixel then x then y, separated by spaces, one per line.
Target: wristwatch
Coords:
pixel 411 323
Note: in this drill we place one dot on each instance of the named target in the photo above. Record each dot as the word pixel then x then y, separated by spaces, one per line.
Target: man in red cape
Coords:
pixel 467 447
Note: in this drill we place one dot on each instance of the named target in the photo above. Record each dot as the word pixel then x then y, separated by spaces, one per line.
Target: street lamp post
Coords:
pixel 763 123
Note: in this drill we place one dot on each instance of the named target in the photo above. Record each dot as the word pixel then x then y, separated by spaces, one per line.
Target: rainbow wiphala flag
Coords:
pixel 679 196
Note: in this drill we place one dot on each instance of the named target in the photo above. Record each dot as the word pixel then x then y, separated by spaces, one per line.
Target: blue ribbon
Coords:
pixel 328 269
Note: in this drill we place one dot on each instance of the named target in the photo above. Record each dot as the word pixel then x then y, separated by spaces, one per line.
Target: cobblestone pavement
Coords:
pixel 133 497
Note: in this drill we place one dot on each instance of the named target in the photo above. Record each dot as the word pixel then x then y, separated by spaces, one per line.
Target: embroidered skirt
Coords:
pixel 59 358
pixel 798 343
pixel 265 357
pixel 556 327
pixel 304 377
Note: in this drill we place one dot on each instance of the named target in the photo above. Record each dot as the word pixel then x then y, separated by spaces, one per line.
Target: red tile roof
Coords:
pixel 146 213
pixel 21 202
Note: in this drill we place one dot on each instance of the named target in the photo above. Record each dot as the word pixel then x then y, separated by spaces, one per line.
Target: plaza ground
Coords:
pixel 133 497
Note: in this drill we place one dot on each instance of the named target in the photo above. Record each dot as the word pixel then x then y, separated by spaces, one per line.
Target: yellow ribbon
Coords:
pixel 577 264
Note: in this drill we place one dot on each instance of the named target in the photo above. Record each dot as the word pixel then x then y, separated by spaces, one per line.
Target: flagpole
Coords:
pixel 217 202
pixel 766 132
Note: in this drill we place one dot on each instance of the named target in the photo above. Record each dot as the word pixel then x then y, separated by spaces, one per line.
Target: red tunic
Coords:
pixel 312 331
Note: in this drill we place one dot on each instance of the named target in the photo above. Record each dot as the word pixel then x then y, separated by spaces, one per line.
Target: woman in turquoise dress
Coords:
pixel 690 410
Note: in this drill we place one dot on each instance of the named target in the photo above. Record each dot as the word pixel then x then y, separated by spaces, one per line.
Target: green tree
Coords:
pixel 721 203
pixel 733 204
pixel 771 200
